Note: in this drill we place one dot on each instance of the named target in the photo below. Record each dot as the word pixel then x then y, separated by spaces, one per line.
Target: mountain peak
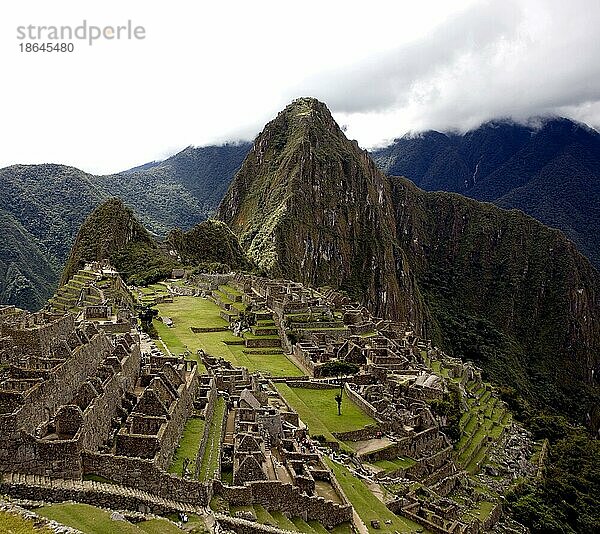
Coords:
pixel 306 106
pixel 309 204
pixel 112 232
pixel 305 120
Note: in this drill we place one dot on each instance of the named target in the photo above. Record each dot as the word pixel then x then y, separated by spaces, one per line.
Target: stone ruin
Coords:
pixel 79 399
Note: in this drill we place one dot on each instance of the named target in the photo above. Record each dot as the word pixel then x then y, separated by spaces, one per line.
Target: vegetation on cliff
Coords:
pixel 112 232
pixel 550 170
pixel 210 245
pixel 180 191
pixel 310 205
pixel 41 210
pixel 46 205
pixel 507 292
pixel 566 497
pixel 487 284
pixel 26 275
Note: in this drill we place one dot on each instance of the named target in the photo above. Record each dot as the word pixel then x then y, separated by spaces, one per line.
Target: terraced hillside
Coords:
pixel 80 290
pixel 203 324
pixel 483 421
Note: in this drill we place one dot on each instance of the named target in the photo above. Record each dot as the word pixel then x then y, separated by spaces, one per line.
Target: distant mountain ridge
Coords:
pixel 43 206
pixel 550 171
pixel 180 191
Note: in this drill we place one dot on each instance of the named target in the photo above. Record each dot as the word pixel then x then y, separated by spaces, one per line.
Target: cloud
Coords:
pixel 208 72
pixel 495 59
pixel 395 77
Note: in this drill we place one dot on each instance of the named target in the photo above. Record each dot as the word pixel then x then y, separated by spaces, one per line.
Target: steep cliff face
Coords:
pixel 310 205
pixel 550 171
pixel 490 285
pixel 112 232
pixel 506 291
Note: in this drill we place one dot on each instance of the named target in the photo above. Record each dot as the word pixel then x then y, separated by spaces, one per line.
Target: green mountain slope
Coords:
pixel 506 291
pixel 26 276
pixel 550 171
pixel 51 202
pixel 210 242
pixel 181 191
pixel 112 232
pixel 43 206
pixel 310 205
pixel 494 286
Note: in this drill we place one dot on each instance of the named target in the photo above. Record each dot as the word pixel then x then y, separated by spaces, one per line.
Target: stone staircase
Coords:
pixel 77 292
pixel 38 487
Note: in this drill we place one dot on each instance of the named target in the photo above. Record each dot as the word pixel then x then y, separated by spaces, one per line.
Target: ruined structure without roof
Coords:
pixel 92 411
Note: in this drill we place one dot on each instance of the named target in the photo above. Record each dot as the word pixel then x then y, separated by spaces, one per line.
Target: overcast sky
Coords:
pixel 208 72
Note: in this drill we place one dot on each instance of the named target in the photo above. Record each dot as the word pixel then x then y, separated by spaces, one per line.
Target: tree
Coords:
pixel 146 315
pixel 338 399
pixel 339 368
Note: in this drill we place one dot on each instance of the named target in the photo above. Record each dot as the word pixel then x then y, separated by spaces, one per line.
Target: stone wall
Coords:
pixel 362 434
pixel 243 526
pixel 114 328
pixel 78 430
pixel 144 474
pixel 45 399
pixel 275 495
pixel 262 342
pixel 208 415
pixel 170 433
pixel 36 339
pixel 364 405
pixel 307 384
pixel 99 414
pixel 412 446
pixel 90 493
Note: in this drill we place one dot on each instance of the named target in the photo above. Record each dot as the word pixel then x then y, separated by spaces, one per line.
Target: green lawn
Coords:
pixel 394 465
pixel 187 312
pixel 318 409
pixel 169 337
pixel 19 525
pixel 210 460
pixel 154 289
pixel 188 445
pixel 367 505
pixel 92 520
pixel 231 290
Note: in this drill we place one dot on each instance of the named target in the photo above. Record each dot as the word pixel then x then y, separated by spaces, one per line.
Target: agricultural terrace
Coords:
pixel 194 312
